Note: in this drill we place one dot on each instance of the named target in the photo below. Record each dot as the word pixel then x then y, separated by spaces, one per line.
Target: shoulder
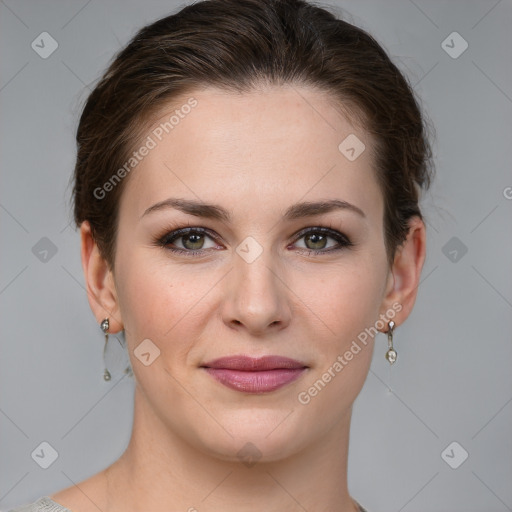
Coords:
pixel 43 504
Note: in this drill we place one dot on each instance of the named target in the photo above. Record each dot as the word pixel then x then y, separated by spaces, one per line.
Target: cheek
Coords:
pixel 349 307
pixel 347 300
pixel 162 301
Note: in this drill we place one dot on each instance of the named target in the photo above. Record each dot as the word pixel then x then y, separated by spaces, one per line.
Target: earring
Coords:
pixel 391 354
pixel 104 327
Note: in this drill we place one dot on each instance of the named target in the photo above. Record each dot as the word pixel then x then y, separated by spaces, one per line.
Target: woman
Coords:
pixel 246 188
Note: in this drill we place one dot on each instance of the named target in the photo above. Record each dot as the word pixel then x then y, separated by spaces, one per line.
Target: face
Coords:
pixel 254 275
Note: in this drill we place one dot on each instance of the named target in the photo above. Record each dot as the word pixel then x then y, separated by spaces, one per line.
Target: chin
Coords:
pixel 257 436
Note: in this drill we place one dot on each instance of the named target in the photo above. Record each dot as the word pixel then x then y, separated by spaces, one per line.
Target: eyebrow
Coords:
pixel 213 211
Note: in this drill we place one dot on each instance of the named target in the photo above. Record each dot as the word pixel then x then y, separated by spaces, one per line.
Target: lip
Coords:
pixel 254 375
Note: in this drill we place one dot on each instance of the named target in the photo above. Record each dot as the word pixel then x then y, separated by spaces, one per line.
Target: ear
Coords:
pixel 404 276
pixel 99 281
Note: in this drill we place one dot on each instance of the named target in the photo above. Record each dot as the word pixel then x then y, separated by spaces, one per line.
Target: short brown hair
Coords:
pixel 237 45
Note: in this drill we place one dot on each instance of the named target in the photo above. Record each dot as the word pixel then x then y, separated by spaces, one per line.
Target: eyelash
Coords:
pixel 164 241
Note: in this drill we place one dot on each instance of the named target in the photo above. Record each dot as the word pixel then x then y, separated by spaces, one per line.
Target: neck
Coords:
pixel 161 471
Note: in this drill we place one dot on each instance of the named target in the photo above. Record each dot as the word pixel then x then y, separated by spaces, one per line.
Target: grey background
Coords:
pixel 453 379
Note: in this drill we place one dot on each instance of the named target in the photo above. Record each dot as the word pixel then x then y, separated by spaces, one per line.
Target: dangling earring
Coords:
pixel 104 327
pixel 391 354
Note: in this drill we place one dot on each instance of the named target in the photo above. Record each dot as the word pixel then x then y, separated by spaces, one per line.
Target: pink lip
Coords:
pixel 254 375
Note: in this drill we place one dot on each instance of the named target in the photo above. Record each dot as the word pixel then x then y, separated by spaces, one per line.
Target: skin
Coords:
pixel 254 154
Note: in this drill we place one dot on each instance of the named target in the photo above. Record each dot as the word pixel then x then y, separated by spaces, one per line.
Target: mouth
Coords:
pixel 255 375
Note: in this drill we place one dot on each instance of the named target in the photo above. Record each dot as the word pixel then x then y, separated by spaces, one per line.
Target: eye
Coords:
pixel 316 240
pixel 187 240
pixel 191 240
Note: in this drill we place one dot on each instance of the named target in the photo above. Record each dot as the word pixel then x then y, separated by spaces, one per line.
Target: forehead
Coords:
pixel 260 149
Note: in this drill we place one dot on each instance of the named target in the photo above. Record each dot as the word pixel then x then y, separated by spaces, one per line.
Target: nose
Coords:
pixel 256 297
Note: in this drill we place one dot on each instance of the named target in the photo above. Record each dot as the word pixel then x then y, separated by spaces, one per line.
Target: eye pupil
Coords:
pixel 197 241
pixel 318 240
